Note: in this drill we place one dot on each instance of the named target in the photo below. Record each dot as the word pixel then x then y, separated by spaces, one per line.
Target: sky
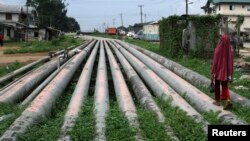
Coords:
pixel 97 14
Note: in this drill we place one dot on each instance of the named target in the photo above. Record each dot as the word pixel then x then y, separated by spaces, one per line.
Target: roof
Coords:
pixel 4 8
pixel 229 1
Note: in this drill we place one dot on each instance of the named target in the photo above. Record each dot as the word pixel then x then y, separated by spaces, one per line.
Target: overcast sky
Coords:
pixel 92 14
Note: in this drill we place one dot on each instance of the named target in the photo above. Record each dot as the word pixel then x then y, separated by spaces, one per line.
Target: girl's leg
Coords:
pixel 217 92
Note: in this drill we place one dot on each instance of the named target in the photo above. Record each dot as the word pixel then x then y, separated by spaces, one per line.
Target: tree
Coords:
pixel 53 13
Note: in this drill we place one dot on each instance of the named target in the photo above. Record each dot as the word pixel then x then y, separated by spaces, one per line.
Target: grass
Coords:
pixel 184 127
pixel 149 121
pixel 117 125
pixel 10 68
pixel 8 109
pixel 84 128
pixel 43 46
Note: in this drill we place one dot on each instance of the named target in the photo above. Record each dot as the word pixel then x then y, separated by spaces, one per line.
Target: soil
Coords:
pixel 6 59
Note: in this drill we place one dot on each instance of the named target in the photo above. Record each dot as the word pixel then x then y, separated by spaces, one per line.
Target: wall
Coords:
pixel 151 32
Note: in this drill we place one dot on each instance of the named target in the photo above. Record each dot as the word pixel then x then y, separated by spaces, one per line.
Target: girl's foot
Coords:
pixel 216 102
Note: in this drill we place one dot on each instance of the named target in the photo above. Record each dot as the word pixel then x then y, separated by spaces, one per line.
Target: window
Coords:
pixel 231 7
pixel 8 16
pixel 243 6
pixel 36 34
pixel 248 8
pixel 219 7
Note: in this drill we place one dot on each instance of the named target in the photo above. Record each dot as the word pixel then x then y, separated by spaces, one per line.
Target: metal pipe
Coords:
pixel 33 95
pixel 189 75
pixel 27 67
pixel 41 106
pixel 123 95
pixel 19 91
pixel 22 69
pixel 161 89
pixel 141 91
pixel 201 101
pixel 79 96
pixel 101 100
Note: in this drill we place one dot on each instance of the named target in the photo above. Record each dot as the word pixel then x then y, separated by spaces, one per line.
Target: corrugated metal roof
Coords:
pixel 10 8
pixel 14 8
pixel 229 1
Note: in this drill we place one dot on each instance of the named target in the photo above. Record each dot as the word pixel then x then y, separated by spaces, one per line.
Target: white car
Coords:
pixel 131 34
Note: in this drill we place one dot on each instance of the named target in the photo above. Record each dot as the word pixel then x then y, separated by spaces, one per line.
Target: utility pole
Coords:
pixel 145 18
pixel 141 11
pixel 27 25
pixel 121 19
pixel 186 7
pixel 104 27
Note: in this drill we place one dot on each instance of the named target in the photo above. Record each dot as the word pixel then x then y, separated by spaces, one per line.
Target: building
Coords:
pixel 231 9
pixel 151 31
pixel 16 22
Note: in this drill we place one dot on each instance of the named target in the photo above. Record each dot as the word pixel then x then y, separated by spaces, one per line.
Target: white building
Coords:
pixel 230 9
pixel 16 21
pixel 151 31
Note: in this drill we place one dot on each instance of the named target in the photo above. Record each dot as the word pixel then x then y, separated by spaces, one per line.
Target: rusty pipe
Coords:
pixel 201 101
pixel 41 106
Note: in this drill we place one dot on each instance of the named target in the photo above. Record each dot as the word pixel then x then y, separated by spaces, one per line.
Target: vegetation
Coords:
pixel 6 109
pixel 10 68
pixel 57 17
pixel 37 46
pixel 171 29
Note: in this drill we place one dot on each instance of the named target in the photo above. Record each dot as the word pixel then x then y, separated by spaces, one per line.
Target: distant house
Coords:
pixel 230 9
pixel 20 23
pixel 16 21
pixel 151 31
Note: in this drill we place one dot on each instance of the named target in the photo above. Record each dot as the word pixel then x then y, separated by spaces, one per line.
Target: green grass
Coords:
pixel 8 109
pixel 10 68
pixel 43 46
pixel 184 127
pixel 49 128
pixel 84 128
pixel 152 129
pixel 117 125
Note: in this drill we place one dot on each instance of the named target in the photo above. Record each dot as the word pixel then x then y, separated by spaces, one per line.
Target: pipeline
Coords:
pixel 162 90
pixel 41 106
pixel 189 75
pixel 28 67
pixel 101 104
pixel 19 91
pixel 33 95
pixel 78 97
pixel 123 95
pixel 23 69
pixel 141 91
pixel 201 101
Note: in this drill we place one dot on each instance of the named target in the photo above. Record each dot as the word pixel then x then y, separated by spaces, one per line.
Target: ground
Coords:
pixel 24 57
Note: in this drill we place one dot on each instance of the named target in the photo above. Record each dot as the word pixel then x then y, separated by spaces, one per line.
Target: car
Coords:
pixel 131 34
pixel 138 35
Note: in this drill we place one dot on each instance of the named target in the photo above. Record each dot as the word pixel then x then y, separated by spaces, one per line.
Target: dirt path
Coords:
pixel 6 59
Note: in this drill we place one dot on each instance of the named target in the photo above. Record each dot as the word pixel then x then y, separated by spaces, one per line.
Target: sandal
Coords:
pixel 228 105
